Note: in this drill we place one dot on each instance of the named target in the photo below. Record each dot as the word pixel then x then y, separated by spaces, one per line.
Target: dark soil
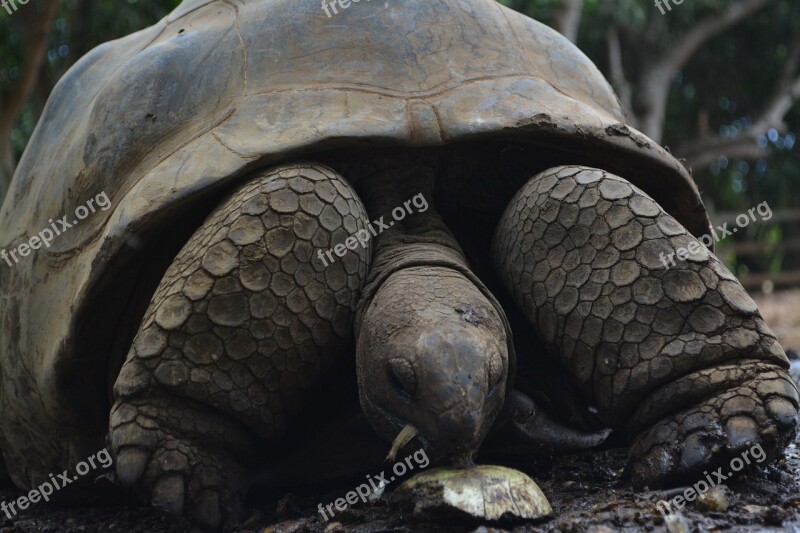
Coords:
pixel 586 492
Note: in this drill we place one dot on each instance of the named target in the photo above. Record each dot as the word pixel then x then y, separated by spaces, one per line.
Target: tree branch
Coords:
pixel 704 151
pixel 617 73
pixel 688 43
pixel 655 81
pixel 37 33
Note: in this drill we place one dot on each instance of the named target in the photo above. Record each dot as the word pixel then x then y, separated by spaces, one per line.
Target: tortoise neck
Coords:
pixel 408 231
pixel 398 195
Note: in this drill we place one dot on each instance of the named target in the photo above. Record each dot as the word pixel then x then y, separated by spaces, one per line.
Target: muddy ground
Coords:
pixel 587 491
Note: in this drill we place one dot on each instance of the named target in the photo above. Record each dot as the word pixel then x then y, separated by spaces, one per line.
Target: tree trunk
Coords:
pixel 36 32
pixel 567 19
pixel 650 102
pixel 6 164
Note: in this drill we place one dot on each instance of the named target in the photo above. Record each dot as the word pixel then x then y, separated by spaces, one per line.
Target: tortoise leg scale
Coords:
pixel 677 358
pixel 244 323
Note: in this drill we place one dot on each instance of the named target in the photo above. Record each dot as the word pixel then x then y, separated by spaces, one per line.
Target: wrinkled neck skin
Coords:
pixel 432 344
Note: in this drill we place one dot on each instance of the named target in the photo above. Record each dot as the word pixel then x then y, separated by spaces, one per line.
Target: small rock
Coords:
pixel 287 506
pixel 775 516
pixel 291 526
pixel 676 523
pixel 715 499
pixel 334 527
pixel 772 515
pixel 755 509
pixel 599 529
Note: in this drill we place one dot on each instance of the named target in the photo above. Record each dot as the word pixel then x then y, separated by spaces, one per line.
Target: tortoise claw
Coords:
pixel 131 463
pixel 168 495
pixel 783 413
pixel 695 452
pixel 745 426
pixel 742 432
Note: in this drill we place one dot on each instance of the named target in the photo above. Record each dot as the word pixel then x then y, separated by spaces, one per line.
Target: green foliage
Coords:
pixel 722 90
pixel 80 25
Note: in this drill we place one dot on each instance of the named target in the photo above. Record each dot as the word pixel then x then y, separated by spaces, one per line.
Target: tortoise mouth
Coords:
pixel 392 425
pixel 456 453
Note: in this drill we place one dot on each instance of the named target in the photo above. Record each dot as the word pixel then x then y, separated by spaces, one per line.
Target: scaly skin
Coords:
pixel 246 320
pixel 432 353
pixel 432 343
pixel 679 358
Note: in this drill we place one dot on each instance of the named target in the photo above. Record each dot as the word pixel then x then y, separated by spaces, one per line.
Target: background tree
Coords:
pixel 23 57
pixel 718 82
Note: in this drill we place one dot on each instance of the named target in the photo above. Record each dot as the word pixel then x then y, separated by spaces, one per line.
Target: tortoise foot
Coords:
pixel 159 454
pixel 524 428
pixel 747 424
pixel 672 351
pixel 244 324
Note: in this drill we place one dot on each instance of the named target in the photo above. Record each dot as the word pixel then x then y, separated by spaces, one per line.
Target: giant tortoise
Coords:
pixel 202 317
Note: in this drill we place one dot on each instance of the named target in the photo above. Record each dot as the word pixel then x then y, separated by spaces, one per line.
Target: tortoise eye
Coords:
pixel 402 377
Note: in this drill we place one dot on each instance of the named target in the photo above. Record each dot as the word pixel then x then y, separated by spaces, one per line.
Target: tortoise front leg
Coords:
pixel 678 357
pixel 238 335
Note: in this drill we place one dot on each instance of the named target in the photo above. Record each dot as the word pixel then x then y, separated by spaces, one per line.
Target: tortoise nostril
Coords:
pixel 458 429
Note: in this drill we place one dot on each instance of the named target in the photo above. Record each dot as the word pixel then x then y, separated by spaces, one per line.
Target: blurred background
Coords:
pixel 715 81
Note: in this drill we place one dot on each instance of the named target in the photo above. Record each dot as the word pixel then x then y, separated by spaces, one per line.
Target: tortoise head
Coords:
pixel 432 354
